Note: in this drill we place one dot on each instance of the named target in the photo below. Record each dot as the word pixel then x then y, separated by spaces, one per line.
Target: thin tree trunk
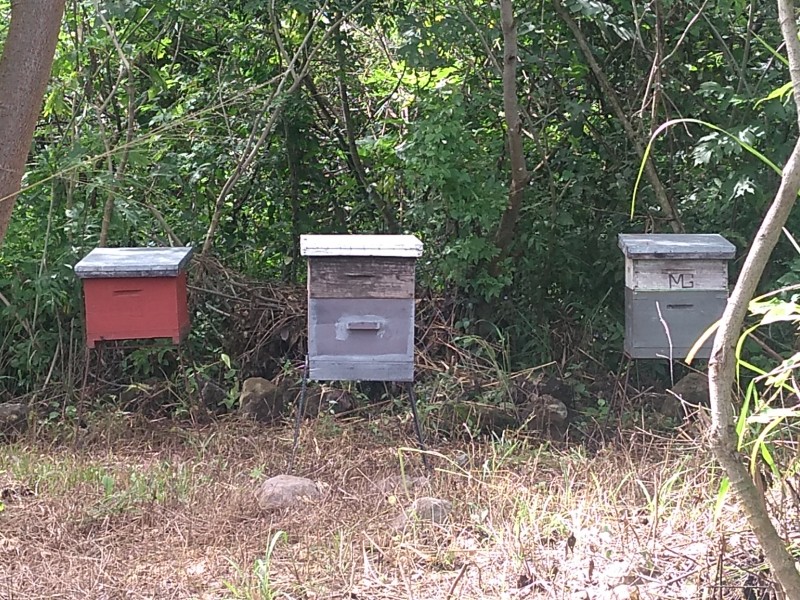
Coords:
pixel 722 363
pixel 24 71
pixel 326 114
pixel 376 198
pixel 294 161
pixel 273 107
pixel 519 170
pixel 664 201
pixel 119 172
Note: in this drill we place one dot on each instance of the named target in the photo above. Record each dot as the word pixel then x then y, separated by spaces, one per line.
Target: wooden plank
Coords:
pixel 361 277
pixel 670 274
pixel 355 370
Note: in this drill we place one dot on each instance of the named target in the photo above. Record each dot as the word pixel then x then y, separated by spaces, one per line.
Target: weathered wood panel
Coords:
pixel 687 315
pixel 322 369
pixel 671 274
pixel 133 262
pixel 361 277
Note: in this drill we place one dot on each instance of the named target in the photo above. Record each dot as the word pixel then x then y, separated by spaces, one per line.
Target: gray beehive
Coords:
pixel 676 286
pixel 361 306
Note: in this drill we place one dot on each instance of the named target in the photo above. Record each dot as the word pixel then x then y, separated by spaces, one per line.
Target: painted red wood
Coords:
pixel 121 308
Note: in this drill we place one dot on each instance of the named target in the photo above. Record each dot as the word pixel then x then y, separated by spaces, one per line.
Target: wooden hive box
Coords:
pixel 135 293
pixel 677 280
pixel 361 306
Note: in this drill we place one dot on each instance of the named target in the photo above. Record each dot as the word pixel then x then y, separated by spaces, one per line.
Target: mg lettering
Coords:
pixel 681 280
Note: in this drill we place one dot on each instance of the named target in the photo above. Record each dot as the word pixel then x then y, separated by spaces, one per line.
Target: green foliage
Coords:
pixel 768 415
pixel 155 105
pixel 134 490
pixel 448 158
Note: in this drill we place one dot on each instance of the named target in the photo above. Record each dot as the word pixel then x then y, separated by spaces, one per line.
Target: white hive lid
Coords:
pixel 676 245
pixel 133 262
pixel 360 245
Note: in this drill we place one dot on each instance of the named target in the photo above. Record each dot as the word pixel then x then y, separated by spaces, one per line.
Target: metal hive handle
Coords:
pixel 364 325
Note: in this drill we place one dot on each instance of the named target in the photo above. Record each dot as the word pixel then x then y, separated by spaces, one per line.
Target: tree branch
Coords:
pixel 666 204
pixel 352 148
pixel 274 105
pixel 722 363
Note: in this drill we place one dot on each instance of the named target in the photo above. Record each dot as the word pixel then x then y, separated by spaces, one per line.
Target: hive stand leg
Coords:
pixel 619 396
pixel 87 361
pixel 299 409
pixel 412 396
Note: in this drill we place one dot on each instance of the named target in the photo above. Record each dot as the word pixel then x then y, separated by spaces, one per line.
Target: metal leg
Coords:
pixel 417 426
pixel 299 409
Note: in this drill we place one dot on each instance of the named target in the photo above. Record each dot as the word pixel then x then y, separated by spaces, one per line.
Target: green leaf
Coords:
pixel 772 50
pixel 781 92
pixel 773 416
pixel 781 312
pixel 664 126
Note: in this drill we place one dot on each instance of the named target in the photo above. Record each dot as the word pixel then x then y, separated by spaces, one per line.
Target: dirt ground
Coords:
pixel 126 509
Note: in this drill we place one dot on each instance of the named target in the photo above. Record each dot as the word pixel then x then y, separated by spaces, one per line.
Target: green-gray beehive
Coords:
pixel 676 286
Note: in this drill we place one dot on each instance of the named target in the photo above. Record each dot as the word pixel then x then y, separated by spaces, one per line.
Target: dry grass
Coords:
pixel 161 511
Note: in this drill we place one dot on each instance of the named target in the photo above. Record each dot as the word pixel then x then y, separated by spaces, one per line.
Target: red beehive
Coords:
pixel 135 293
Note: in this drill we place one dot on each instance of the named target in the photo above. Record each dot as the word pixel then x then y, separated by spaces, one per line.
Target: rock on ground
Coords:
pixel 283 491
pixel 13 417
pixel 693 388
pixel 323 399
pixel 211 395
pixel 425 509
pixel 544 411
pixel 662 402
pixel 262 400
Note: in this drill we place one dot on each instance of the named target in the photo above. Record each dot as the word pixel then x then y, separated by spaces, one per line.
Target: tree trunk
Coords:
pixel 519 170
pixel 372 194
pixel 664 201
pixel 722 363
pixel 24 72
pixel 274 108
